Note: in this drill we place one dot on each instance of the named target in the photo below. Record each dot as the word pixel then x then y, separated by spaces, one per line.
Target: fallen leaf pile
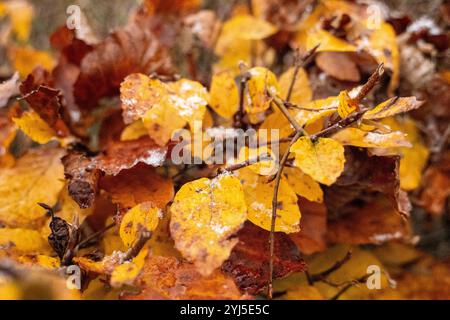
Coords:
pixel 106 163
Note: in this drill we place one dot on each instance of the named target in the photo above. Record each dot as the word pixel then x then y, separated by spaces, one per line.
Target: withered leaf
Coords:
pixel 313 228
pixel 83 175
pixel 170 278
pixel 45 100
pixel 249 261
pixel 339 65
pixel 138 185
pixel 124 155
pixel 364 173
pixel 375 223
pixel 128 50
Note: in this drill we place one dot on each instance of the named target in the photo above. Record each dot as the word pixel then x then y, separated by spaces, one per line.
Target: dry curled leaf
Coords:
pixel 45 100
pixel 83 176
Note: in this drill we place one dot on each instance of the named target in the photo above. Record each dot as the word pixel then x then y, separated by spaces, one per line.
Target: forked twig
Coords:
pixel 299 131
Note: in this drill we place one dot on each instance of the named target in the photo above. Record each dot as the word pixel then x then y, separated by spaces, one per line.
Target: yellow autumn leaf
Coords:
pixel 260 158
pixel 258 196
pixel 303 185
pixel 35 284
pixel 383 46
pixel 345 106
pixel 25 59
pixel 413 160
pixel 161 243
pixel 277 120
pixel 9 291
pixel 134 131
pixel 38 176
pixel 138 94
pixel 303 293
pixel 326 40
pixel 224 96
pixel 129 270
pixel 205 214
pixel 323 159
pixel 111 241
pixel 355 268
pixel 43 261
pixel 261 81
pixel 301 92
pixel 232 51
pixel 249 27
pixel 23 241
pixel 190 98
pixel 162 121
pixel 34 127
pixel 316 110
pixel 392 107
pixel 360 138
pixel 144 216
pixel 163 107
pixel 21 15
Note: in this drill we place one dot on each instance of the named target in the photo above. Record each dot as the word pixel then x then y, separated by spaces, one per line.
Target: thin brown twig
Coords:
pixel 243 164
pixel 341 124
pixel 252 42
pixel 298 134
pixel 96 234
pixel 369 85
pixel 337 265
pixel 239 116
pixel 350 285
pixel 136 248
pixel 299 63
pixel 281 105
pixel 225 13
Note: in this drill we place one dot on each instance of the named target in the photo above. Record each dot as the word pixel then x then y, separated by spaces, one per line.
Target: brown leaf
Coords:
pixel 436 182
pixel 83 176
pixel 37 90
pixel 377 222
pixel 138 185
pixel 124 155
pixel 339 65
pixel 249 261
pixel 169 278
pixel 70 47
pixel 364 174
pixel 128 50
pixel 313 227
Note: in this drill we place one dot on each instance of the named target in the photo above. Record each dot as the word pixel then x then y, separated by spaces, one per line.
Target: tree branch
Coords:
pixel 299 63
pixel 298 134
